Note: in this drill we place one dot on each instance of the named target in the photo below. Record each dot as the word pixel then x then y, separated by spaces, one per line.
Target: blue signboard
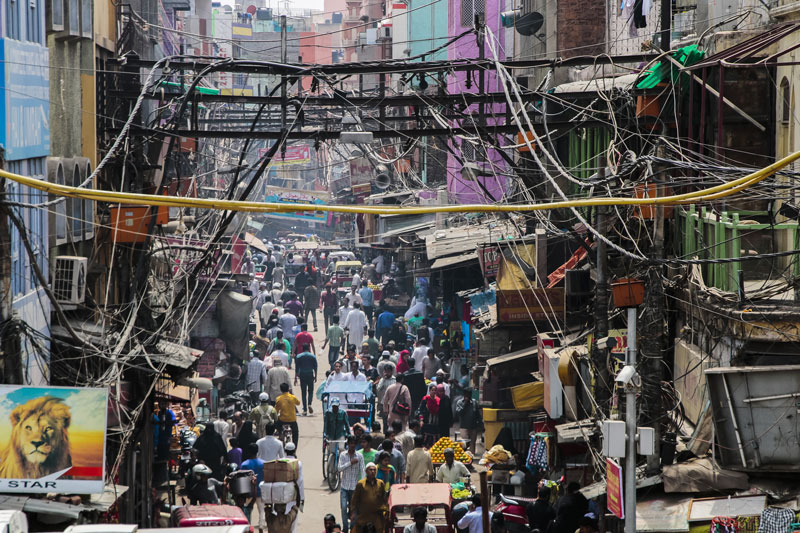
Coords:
pixel 297 198
pixel 25 104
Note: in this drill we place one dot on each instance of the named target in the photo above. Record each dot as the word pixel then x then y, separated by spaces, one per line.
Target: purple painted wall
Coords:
pixel 461 190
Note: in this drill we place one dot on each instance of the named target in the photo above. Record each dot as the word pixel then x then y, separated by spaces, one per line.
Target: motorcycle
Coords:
pixel 514 515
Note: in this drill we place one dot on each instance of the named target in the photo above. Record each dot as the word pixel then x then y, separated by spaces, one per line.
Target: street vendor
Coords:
pixel 451 471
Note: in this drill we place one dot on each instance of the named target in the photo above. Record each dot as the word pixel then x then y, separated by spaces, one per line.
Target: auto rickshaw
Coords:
pixel 435 497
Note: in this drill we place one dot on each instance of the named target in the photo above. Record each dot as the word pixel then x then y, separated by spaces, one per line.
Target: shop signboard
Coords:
pixel 52 439
pixel 614 496
pixel 490 257
pixel 527 304
pixel 299 197
pixel 294 155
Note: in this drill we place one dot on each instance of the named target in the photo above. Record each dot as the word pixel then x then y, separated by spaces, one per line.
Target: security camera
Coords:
pixel 627 376
pixel 607 343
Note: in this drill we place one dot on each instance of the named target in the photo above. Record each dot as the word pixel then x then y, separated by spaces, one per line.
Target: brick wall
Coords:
pixel 581 27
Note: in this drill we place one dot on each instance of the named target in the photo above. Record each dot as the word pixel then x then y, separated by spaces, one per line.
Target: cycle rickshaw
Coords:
pixel 357 400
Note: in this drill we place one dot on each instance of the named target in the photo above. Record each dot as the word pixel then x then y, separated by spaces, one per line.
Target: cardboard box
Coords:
pixel 282 470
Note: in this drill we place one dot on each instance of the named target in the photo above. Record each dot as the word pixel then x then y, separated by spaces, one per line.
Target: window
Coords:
pixel 55 15
pixel 12 19
pixel 786 101
pixel 471 8
pixel 33 22
pixel 86 18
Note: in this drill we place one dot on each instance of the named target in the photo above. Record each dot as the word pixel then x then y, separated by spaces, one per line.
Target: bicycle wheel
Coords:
pixel 324 463
pixel 333 477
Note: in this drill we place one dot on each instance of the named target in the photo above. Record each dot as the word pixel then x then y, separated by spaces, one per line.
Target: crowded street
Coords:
pixel 437 266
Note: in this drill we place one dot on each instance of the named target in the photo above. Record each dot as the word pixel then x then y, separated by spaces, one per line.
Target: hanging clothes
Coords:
pixel 724 524
pixel 775 520
pixel 537 454
pixel 639 19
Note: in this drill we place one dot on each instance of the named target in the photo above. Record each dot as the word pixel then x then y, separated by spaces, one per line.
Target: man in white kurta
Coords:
pixel 356 326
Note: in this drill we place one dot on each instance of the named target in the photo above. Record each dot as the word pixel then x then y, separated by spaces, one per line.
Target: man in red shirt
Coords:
pixel 303 338
pixel 330 304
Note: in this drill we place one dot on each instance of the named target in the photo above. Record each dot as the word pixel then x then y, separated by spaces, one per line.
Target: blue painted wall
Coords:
pixel 25 139
pixel 427 28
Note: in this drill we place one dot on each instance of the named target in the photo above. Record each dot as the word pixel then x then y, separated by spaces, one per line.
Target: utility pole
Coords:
pixel 654 332
pixel 602 385
pixel 630 425
pixel 284 80
pixel 666 23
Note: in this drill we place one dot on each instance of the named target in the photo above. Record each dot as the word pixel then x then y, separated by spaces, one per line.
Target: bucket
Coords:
pixel 240 483
pixel 628 292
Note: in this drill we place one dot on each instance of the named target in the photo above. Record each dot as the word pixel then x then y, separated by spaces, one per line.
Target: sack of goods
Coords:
pixel 279 492
pixel 282 470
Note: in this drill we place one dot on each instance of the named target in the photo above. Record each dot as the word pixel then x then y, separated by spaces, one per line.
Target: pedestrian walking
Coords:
pixel 306 372
pixel 304 338
pixel 334 338
pixel 367 300
pixel 311 299
pixel 445 411
pixel 540 513
pixel 352 469
pixel 397 402
pixel 277 376
pixel 256 465
pixel 383 325
pixel 286 405
pixel 256 377
pixel 269 447
pixel 261 416
pixel 396 459
pixel 369 503
pixel 419 463
pixel 330 304
pixel 473 520
pixel 356 325
pixel 469 419
pixel 386 471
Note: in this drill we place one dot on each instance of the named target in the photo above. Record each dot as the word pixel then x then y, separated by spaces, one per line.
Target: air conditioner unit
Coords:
pixel 69 280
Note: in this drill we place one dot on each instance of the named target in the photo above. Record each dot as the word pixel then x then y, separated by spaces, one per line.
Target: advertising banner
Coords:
pixel 490 257
pixel 52 439
pixel 614 499
pixel 295 155
pixel 298 197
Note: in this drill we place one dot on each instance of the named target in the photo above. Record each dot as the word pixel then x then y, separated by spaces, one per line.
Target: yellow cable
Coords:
pixel 114 197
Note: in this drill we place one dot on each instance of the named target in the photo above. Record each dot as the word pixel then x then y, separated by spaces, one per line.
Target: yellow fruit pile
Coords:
pixel 437 451
pixel 462 494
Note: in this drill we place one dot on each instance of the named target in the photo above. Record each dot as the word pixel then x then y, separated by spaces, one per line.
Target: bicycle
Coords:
pixel 330 462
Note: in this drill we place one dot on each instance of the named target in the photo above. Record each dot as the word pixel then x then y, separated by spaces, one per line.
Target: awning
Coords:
pixel 513 356
pixel 663 513
pixel 451 241
pixel 175 354
pixel 444 262
pixel 100 503
pixel 597 85
pixel 413 228
pixel 701 475
pixel 201 384
pixel 255 242
pixel 596 489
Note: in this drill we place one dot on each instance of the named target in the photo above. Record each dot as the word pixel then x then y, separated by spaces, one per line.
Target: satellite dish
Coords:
pixel 529 23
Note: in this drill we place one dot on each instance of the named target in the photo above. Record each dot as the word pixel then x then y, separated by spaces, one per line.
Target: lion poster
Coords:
pixel 52 439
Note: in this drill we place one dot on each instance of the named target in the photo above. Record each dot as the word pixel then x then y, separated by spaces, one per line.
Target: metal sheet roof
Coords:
pixel 443 262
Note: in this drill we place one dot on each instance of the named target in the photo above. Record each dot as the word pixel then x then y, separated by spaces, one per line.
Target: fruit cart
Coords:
pixel 435 497
pixel 437 451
